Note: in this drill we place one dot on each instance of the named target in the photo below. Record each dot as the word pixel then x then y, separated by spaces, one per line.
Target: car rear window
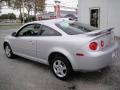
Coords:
pixel 73 28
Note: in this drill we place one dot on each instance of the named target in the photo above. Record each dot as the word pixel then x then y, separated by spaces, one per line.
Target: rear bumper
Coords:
pixel 95 61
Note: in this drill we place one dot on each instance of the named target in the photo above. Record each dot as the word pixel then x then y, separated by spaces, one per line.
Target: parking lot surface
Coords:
pixel 23 74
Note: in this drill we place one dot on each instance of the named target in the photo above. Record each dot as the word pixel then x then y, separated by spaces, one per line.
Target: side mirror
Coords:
pixel 14 34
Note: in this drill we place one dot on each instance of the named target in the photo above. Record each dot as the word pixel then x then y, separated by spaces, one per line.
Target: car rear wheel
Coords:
pixel 8 51
pixel 61 67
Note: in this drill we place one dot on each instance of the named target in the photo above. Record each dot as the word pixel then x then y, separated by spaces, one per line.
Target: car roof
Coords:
pixel 49 22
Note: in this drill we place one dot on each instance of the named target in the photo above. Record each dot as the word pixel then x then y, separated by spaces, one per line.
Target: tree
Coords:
pixel 0 6
pixel 4 16
pixel 25 16
pixel 36 5
pixel 17 4
pixel 2 3
pixel 29 7
pixel 39 5
pixel 11 16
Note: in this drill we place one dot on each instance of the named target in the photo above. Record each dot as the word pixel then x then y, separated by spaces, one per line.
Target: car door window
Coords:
pixel 29 30
pixel 47 31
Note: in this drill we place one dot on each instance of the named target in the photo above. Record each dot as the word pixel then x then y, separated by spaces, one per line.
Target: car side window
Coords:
pixel 29 30
pixel 47 31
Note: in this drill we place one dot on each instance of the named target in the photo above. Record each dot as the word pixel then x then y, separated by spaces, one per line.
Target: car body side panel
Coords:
pixel 29 55
pixel 64 52
pixel 61 44
pixel 23 45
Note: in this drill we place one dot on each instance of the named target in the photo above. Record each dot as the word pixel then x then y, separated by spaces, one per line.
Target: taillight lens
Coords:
pixel 93 45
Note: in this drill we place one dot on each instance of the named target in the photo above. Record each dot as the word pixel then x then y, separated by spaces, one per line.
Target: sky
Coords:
pixel 68 3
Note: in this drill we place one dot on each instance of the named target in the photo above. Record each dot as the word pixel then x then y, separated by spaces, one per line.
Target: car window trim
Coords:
pixel 26 26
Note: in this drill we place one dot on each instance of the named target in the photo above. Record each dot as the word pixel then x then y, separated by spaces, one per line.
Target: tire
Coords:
pixel 8 51
pixel 61 67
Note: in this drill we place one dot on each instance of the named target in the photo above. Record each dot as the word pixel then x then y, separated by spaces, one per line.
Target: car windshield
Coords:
pixel 73 28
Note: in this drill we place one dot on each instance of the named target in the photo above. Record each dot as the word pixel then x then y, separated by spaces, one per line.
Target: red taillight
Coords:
pixel 93 45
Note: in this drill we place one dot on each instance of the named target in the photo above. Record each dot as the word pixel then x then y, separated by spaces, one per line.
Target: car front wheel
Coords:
pixel 61 67
pixel 8 51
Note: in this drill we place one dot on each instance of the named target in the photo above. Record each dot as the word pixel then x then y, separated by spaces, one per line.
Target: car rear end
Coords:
pixel 98 52
pixel 93 48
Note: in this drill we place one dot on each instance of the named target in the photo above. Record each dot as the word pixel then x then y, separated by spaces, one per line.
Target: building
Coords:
pixel 64 13
pixel 100 13
pixel 46 16
pixel 52 15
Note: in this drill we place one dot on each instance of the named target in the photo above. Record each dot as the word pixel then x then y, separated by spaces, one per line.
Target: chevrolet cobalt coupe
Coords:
pixel 64 45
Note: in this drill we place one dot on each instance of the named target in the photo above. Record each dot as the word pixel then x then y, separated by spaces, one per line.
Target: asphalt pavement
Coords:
pixel 23 74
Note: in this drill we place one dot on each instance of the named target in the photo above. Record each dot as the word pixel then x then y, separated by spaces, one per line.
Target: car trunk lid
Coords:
pixel 103 37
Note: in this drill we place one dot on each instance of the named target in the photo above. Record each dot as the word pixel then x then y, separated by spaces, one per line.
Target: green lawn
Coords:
pixel 6 26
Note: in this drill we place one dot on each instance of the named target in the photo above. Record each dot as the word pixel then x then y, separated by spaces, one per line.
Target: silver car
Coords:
pixel 64 45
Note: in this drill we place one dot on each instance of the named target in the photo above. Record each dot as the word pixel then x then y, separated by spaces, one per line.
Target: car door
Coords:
pixel 46 41
pixel 25 41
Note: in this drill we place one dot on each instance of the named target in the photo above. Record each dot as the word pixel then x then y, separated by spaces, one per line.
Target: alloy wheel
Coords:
pixel 60 68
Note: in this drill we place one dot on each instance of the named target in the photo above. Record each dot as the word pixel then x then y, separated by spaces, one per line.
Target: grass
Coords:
pixel 6 26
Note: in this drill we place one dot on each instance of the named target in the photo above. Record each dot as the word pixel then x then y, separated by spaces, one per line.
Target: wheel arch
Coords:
pixel 5 43
pixel 53 54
